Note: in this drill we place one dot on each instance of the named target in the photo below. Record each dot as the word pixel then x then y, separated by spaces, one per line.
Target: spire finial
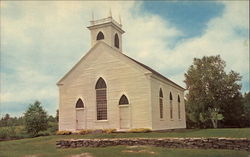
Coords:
pixel 93 18
pixel 110 12
pixel 120 20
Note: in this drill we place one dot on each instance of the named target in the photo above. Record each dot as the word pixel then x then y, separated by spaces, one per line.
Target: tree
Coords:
pixel 215 116
pixel 246 103
pixel 36 119
pixel 209 86
pixel 5 120
pixel 51 119
pixel 57 115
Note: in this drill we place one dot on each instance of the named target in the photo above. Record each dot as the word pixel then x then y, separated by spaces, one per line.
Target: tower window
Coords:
pixel 100 36
pixel 116 41
pixel 101 99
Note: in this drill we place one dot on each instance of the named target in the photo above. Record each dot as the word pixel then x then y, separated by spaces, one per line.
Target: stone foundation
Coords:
pixel 201 143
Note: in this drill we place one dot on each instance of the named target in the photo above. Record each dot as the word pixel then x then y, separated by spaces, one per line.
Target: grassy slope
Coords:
pixel 45 146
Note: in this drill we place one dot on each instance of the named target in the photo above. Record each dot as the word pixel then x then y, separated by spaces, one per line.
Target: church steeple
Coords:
pixel 107 30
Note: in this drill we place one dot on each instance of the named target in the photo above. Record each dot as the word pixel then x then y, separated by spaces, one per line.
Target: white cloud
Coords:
pixel 221 38
pixel 41 41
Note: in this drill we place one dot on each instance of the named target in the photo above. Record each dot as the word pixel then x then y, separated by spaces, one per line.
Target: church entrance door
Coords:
pixel 124 117
pixel 80 119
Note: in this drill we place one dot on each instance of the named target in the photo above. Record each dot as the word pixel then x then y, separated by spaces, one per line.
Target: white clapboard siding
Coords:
pixel 122 76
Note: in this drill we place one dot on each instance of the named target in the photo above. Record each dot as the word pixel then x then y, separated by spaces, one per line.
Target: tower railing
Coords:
pixel 105 20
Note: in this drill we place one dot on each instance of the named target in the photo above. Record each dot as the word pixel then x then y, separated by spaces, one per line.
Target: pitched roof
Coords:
pixel 153 71
pixel 137 62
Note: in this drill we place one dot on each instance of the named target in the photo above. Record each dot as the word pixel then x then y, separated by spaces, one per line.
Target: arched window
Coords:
pixel 79 103
pixel 101 99
pixel 123 100
pixel 179 107
pixel 100 84
pixel 171 105
pixel 116 41
pixel 161 103
pixel 100 36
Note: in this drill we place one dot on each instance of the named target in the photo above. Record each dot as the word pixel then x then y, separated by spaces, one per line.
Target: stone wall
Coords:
pixel 201 143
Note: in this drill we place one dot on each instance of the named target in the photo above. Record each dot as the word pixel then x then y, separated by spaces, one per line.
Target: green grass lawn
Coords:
pixel 228 132
pixel 45 146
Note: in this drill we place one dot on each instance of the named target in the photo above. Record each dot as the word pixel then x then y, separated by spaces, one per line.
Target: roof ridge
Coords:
pixel 153 71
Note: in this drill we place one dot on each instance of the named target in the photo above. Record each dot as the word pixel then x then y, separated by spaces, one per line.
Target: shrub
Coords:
pixel 53 127
pixel 8 133
pixel 3 133
pixel 108 131
pixel 140 130
pixel 63 132
pixel 44 133
pixel 85 131
pixel 12 132
pixel 21 132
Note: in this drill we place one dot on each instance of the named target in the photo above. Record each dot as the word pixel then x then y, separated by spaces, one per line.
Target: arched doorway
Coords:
pixel 124 112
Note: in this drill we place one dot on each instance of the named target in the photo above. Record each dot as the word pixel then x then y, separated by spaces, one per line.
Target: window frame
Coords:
pixel 179 107
pixel 76 107
pixel 171 105
pixel 116 41
pixel 100 36
pixel 161 103
pixel 126 99
pixel 101 100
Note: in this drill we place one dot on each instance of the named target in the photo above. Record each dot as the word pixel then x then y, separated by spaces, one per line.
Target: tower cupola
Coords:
pixel 108 31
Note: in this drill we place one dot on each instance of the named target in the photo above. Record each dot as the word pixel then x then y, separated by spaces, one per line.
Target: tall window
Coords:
pixel 171 105
pixel 179 107
pixel 101 99
pixel 100 36
pixel 161 103
pixel 116 41
pixel 79 103
pixel 123 100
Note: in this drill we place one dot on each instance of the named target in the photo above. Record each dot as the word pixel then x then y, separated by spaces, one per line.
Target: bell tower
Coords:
pixel 108 31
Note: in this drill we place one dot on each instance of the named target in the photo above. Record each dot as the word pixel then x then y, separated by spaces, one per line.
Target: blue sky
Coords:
pixel 41 41
pixel 191 17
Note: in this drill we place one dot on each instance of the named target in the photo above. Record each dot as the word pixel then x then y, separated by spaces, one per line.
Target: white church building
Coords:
pixel 107 89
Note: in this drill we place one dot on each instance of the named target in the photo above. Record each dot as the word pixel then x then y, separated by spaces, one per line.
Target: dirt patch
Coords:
pixel 139 149
pixel 136 147
pixel 33 155
pixel 82 155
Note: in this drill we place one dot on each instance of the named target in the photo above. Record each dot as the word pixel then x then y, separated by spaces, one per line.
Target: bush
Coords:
pixel 53 128
pixel 4 133
pixel 85 131
pixel 8 133
pixel 44 133
pixel 63 132
pixel 109 131
pixel 13 132
pixel 140 130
